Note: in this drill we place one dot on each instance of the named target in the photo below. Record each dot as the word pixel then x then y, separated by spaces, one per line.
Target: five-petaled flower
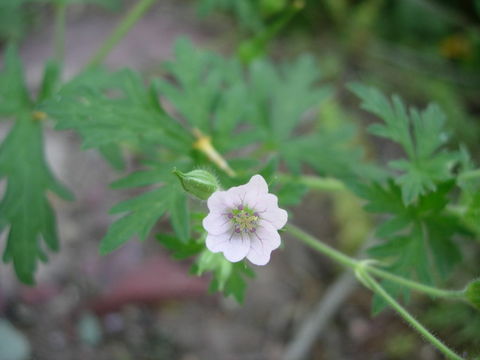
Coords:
pixel 244 222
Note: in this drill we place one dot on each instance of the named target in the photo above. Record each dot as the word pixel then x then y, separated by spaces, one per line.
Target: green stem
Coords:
pixel 356 264
pixel 322 247
pixel 471 174
pixel 377 288
pixel 120 31
pixel 59 35
pixel 430 290
pixel 314 182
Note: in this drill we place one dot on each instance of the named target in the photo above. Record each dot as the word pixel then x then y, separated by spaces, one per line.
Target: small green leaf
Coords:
pixel 110 109
pixel 143 212
pixel 421 134
pixel 228 277
pixel 50 81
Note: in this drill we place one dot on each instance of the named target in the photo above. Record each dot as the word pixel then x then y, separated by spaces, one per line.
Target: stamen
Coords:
pixel 243 219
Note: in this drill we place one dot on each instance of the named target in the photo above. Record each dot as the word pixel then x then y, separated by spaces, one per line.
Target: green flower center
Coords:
pixel 244 220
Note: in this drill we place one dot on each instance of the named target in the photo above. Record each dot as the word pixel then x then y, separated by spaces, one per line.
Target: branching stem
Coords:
pixel 364 269
pixel 378 289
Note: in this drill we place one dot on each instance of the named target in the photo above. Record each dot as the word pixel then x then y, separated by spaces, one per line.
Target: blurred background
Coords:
pixel 139 304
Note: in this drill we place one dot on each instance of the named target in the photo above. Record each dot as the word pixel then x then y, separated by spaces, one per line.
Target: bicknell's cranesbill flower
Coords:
pixel 244 221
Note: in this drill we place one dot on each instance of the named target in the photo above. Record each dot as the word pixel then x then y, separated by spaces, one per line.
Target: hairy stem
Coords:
pixel 469 175
pixel 120 31
pixel 367 266
pixel 430 290
pixel 378 289
pixel 316 244
pixel 59 35
pixel 314 182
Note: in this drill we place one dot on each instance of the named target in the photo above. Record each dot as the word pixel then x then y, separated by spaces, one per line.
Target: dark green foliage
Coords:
pixel 418 233
pixel 422 136
pixel 25 211
pixel 417 240
pixel 13 93
pixel 145 210
pixel 110 109
pixel 179 249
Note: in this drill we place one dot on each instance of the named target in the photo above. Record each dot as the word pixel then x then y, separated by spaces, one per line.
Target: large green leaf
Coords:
pixel 421 134
pixel 25 209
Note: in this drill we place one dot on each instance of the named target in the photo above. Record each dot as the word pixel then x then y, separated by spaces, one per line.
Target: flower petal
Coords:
pixel 256 190
pixel 216 202
pixel 232 198
pixel 264 202
pixel 234 246
pixel 216 223
pixel 262 243
pixel 277 217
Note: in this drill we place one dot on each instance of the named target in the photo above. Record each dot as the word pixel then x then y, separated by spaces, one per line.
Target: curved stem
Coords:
pixel 314 182
pixel 468 175
pixel 322 247
pixel 59 35
pixel 120 31
pixel 430 290
pixel 377 288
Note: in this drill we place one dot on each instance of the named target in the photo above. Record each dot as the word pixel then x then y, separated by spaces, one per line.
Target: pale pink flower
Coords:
pixel 244 222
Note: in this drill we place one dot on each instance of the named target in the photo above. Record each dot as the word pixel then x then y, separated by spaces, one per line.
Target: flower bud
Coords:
pixel 472 293
pixel 200 183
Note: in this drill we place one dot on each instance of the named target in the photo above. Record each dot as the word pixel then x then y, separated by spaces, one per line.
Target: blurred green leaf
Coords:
pixel 50 81
pixel 109 109
pixel 417 239
pixel 15 18
pixel 180 249
pixel 228 277
pixel 13 93
pixel 422 136
pixel 247 11
pixel 199 76
pixel 143 212
pixel 25 207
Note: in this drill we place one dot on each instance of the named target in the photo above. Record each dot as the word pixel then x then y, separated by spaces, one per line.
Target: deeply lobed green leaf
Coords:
pixel 421 134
